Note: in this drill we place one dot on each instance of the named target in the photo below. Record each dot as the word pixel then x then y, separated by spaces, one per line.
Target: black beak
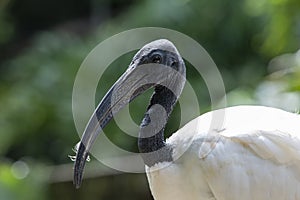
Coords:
pixel 132 83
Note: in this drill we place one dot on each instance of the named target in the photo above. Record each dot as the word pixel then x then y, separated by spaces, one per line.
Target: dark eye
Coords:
pixel 174 64
pixel 156 59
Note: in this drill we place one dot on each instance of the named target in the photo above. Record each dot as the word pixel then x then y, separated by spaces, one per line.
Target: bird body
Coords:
pixel 256 155
pixel 235 153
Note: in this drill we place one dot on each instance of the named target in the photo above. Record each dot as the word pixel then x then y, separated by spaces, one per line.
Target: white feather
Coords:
pixel 255 155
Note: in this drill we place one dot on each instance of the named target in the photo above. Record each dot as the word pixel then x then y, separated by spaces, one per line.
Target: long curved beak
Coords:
pixel 132 83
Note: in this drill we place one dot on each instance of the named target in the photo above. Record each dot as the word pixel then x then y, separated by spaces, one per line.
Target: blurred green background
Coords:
pixel 255 45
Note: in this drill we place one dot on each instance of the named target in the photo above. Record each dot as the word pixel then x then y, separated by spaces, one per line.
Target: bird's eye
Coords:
pixel 156 59
pixel 174 64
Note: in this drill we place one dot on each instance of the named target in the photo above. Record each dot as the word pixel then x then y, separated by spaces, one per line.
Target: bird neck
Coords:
pixel 151 141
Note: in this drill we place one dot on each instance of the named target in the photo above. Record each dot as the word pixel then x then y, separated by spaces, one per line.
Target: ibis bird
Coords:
pixel 255 155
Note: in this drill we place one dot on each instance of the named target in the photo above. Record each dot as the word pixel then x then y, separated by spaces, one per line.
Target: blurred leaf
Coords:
pixel 29 187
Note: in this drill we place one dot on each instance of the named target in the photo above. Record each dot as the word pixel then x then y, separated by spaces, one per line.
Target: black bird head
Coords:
pixel 156 64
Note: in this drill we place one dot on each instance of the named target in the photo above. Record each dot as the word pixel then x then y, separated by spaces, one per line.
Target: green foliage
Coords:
pixel 19 181
pixel 280 32
pixel 6 26
pixel 36 94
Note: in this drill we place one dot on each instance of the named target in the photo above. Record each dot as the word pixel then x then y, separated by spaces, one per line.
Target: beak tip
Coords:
pixel 79 165
pixel 77 180
pixel 77 184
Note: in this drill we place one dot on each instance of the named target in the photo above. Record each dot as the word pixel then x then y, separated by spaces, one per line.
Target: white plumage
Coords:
pixel 256 156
